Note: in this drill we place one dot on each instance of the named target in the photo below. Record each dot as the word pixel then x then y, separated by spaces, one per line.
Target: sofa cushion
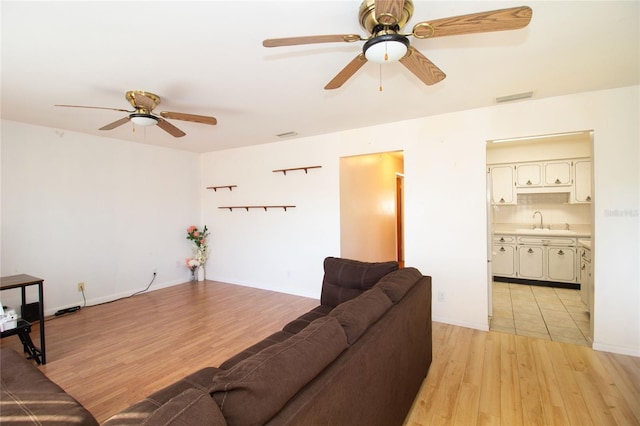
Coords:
pixel 356 315
pixel 191 407
pixel 301 322
pixel 345 279
pixel 252 391
pixel 396 284
pixel 254 349
pixel 141 410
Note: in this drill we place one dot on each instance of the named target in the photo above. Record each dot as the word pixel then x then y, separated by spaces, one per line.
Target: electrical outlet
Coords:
pixel 81 287
pixel 442 297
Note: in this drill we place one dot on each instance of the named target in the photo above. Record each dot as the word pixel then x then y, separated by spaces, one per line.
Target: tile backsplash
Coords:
pixel 554 207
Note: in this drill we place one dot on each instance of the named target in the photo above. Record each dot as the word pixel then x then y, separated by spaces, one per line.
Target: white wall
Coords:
pixel 78 208
pixel 106 212
pixel 445 205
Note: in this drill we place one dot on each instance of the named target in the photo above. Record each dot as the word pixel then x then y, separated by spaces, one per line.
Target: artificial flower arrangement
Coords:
pixel 200 253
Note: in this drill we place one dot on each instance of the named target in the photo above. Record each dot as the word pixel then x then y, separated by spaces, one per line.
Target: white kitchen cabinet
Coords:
pixel 561 264
pixel 582 186
pixel 528 175
pixel 547 258
pixel 531 262
pixel 572 176
pixel 585 272
pixel 502 189
pixel 503 259
pixel 557 173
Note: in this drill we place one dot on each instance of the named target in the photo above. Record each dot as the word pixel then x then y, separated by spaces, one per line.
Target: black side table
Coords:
pixel 22 330
pixel 23 281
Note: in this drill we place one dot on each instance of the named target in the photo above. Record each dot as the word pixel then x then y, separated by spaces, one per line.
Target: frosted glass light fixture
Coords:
pixel 143 119
pixel 386 48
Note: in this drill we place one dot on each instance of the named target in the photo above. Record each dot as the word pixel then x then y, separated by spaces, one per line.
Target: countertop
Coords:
pixel 575 231
pixel 585 243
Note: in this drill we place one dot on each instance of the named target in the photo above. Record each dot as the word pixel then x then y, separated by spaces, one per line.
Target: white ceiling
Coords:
pixel 206 57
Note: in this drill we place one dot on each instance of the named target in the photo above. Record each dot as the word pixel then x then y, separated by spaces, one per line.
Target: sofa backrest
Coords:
pixel 345 279
pixel 357 315
pixel 375 381
pixel 256 388
pixel 397 283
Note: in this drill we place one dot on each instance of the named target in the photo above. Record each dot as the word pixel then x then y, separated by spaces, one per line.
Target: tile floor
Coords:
pixel 544 312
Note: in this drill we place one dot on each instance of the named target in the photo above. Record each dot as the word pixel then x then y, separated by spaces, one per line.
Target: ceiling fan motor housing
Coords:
pixel 369 22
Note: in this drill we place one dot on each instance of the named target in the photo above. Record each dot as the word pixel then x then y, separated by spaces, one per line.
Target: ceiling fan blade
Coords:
pixel 496 20
pixel 115 124
pixel 189 117
pixel 293 41
pixel 93 107
pixel 388 12
pixel 346 72
pixel 170 128
pixel 422 67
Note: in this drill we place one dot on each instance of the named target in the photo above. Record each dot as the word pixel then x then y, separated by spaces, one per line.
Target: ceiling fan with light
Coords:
pixel 142 114
pixel 384 19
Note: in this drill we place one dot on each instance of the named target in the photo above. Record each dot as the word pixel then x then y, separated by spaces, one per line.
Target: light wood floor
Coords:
pixel 112 355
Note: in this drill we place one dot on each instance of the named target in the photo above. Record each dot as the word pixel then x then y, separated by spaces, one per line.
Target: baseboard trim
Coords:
pixel 556 284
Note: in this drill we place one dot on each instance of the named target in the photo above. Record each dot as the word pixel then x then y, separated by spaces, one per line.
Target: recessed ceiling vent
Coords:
pixel 514 97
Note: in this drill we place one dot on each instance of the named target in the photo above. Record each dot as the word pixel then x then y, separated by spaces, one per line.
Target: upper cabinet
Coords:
pixel 571 176
pixel 557 173
pixel 502 185
pixel 582 187
pixel 528 175
pixel 546 174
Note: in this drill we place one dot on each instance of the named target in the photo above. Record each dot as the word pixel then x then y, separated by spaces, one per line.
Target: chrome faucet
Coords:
pixel 534 216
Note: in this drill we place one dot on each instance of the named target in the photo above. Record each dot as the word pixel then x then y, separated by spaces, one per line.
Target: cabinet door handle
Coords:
pixel 502 249
pixel 529 182
pixel 558 182
pixel 502 200
pixel 502 239
pixel 530 251
pixel 588 197
pixel 560 253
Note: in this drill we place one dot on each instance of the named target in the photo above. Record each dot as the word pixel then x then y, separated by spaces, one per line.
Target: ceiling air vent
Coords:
pixel 286 134
pixel 515 97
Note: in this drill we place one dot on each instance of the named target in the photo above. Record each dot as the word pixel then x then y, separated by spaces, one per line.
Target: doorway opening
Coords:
pixel 372 207
pixel 540 224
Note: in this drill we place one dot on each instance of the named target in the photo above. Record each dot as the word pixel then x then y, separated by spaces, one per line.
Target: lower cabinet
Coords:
pixel 531 262
pixel 503 259
pixel 561 264
pixel 532 258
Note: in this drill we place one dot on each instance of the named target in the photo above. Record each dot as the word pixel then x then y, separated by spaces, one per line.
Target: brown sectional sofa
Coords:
pixel 27 396
pixel 358 358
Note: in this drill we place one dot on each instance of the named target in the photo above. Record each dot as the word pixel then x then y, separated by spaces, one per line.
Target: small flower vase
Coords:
pixel 201 273
pixel 193 274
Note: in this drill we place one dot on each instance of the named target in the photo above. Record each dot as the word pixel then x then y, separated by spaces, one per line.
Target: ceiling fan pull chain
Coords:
pixel 380 88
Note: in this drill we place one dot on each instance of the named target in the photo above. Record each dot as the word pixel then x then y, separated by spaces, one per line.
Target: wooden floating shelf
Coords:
pixel 256 207
pixel 215 188
pixel 306 169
